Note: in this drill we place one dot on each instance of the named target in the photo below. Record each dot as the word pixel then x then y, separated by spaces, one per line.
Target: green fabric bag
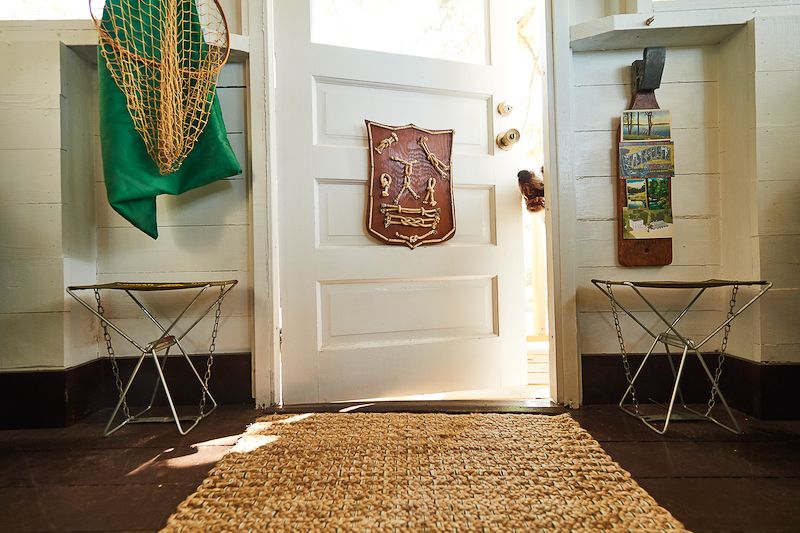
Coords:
pixel 132 178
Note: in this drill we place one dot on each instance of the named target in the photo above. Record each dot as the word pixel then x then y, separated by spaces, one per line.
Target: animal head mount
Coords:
pixel 531 185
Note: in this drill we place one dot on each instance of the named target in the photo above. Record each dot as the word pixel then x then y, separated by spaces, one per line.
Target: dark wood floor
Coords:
pixel 73 479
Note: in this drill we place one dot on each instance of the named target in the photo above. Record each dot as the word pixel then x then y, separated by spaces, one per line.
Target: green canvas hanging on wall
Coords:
pixel 136 171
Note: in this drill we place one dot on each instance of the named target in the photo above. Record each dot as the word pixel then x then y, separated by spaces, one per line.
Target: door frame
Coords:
pixel 263 200
pixel 560 213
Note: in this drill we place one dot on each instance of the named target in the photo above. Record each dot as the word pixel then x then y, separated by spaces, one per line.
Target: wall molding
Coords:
pixel 59 398
pixel 763 390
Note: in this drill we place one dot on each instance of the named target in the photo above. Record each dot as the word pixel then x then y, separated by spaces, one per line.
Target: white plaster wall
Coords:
pixel 32 156
pixel 203 235
pixel 739 217
pixel 584 10
pixel 777 182
pixel 236 15
pixel 601 90
pixel 78 81
pixel 59 229
pixel 735 125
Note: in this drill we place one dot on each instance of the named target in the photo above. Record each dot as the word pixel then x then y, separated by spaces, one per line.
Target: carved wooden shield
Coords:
pixel 410 185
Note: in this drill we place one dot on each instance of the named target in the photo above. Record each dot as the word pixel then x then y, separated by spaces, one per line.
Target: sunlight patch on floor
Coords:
pixel 252 439
pixel 356 407
pixel 248 443
pixel 194 456
pixel 230 440
pixel 536 393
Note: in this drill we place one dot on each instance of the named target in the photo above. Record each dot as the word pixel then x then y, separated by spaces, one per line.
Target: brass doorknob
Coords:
pixel 507 139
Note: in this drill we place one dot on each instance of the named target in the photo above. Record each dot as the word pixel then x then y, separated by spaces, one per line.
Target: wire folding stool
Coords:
pixel 671 336
pixel 163 344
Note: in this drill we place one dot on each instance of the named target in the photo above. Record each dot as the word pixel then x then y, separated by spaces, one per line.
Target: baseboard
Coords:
pixel 58 398
pixel 764 390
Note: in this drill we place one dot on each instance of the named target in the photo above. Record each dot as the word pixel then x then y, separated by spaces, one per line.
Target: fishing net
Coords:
pixel 165 55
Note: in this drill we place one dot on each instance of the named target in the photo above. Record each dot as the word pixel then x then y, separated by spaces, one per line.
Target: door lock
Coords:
pixel 507 139
pixel 504 108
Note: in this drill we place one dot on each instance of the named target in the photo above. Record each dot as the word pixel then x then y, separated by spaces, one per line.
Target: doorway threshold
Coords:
pixel 505 406
pixel 532 393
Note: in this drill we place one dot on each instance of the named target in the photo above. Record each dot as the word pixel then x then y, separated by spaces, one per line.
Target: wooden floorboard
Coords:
pixel 72 479
pixel 709 478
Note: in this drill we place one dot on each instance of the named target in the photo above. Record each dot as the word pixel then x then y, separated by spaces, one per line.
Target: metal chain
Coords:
pixel 721 357
pixel 211 349
pixel 622 351
pixel 111 354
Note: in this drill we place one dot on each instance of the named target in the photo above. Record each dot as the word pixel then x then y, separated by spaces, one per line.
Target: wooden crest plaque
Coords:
pixel 410 185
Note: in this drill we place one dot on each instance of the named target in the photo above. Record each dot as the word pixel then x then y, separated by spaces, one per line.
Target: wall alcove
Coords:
pixel 65 232
pixel 730 75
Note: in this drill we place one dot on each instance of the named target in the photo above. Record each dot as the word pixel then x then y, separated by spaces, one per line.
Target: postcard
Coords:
pixel 658 193
pixel 646 224
pixel 645 124
pixel 646 159
pixel 648 213
pixel 636 193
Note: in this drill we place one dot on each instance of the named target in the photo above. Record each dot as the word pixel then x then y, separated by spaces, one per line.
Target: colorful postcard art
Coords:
pixel 645 125
pixel 648 212
pixel 646 159
pixel 636 193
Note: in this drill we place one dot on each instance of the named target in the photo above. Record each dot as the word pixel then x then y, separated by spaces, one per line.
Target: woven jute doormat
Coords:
pixel 419 472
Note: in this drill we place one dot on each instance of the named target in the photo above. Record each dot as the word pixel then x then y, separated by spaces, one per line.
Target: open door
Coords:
pixel 362 319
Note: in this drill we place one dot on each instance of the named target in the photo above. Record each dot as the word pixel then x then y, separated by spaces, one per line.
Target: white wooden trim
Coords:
pixel 692 5
pixel 263 206
pixel 565 380
pixel 639 6
pixel 622 32
pixel 81 36
pixel 674 26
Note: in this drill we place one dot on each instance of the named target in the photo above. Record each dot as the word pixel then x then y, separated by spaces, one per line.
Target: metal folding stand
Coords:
pixel 161 344
pixel 672 337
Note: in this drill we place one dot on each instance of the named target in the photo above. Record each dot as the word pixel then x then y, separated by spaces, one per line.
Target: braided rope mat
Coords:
pixel 417 472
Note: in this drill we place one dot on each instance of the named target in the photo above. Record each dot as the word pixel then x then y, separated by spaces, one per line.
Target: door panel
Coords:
pixel 362 319
pixel 341 108
pixel 423 310
pixel 340 220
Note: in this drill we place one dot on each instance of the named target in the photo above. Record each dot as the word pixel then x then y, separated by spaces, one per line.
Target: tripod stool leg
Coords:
pixel 621 403
pixel 108 431
pixel 735 429
pixel 169 396
pixel 156 385
pixel 199 380
pixel 674 393
pixel 674 374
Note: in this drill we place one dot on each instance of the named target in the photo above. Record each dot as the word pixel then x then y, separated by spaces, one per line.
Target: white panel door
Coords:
pixel 362 319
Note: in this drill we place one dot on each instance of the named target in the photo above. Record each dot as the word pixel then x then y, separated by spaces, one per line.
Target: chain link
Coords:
pixel 211 349
pixel 721 357
pixel 622 351
pixel 111 354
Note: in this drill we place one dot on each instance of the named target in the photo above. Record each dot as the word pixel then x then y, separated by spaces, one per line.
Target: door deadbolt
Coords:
pixel 504 108
pixel 507 139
